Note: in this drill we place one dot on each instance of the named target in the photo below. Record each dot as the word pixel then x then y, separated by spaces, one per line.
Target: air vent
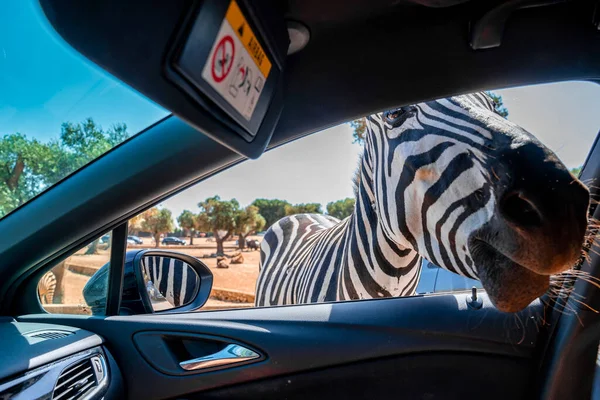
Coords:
pixel 49 334
pixel 77 380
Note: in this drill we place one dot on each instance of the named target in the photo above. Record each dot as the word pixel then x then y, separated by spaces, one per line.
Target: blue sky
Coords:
pixel 43 82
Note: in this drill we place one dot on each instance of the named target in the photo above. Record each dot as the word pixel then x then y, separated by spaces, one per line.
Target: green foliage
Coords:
pixel 304 208
pixel 188 221
pixel 576 171
pixel 272 210
pixel 134 225
pixel 93 247
pixel 157 221
pixel 498 104
pixel 359 130
pixel 23 170
pixel 247 222
pixel 218 216
pixel 28 166
pixel 342 208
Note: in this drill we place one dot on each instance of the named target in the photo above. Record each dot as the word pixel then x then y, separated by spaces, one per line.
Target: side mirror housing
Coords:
pixel 153 281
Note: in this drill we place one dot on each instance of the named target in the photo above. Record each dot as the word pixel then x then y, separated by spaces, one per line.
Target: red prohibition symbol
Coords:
pixel 222 59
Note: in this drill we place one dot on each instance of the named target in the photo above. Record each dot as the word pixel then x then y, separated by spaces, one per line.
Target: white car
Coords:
pixel 437 280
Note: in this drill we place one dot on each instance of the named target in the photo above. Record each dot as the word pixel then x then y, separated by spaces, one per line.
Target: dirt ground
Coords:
pixel 238 277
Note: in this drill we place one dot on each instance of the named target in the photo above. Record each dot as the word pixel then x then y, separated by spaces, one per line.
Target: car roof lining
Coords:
pixel 540 45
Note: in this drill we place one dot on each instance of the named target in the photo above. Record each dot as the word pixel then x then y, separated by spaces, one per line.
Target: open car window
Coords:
pixel 233 220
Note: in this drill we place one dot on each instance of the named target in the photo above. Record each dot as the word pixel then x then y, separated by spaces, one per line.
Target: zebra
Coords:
pixel 169 278
pixel 450 181
pixel 47 288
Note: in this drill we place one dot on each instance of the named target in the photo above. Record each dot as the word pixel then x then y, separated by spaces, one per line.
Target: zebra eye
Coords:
pixel 479 194
pixel 396 117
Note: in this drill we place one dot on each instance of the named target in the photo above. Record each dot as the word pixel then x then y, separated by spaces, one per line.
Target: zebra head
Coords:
pixel 475 194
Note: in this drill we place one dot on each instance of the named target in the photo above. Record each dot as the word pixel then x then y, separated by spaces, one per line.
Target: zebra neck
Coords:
pixel 374 266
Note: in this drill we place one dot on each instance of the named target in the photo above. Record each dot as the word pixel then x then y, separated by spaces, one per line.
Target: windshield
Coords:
pixel 58 111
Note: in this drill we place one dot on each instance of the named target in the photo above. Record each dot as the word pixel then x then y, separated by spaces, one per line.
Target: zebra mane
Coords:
pixel 356 177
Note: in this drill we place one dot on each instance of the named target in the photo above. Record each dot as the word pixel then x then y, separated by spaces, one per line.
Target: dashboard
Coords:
pixel 47 361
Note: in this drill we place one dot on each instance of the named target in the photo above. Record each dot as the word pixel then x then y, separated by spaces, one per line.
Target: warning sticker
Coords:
pixel 237 65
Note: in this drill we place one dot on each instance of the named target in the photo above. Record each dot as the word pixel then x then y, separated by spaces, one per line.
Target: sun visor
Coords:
pixel 217 64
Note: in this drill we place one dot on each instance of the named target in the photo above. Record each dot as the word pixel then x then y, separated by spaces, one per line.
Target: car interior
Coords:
pixel 324 63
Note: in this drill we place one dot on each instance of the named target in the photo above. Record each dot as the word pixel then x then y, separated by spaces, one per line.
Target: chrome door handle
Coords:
pixel 232 354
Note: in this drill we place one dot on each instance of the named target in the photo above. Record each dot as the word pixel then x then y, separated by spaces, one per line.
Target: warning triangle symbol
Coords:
pixel 241 30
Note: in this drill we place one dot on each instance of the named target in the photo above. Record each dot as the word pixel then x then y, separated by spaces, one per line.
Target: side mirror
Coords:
pixel 153 281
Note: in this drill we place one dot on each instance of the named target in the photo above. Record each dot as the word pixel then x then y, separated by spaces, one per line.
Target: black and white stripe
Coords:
pixel 174 279
pixel 423 188
pixel 47 288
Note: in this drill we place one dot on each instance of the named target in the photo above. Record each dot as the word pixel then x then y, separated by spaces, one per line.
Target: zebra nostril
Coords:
pixel 520 211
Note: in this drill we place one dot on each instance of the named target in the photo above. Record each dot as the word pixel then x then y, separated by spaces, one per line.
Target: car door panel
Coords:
pixel 322 349
pixel 422 376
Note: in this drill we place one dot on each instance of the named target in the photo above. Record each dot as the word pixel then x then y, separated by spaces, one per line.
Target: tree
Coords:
pixel 359 130
pixel 576 171
pixel 188 221
pixel 157 221
pixel 342 208
pixel 359 126
pixel 218 216
pixel 134 225
pixel 28 166
pixel 272 210
pixel 22 169
pixel 247 222
pixel 498 104
pixel 93 247
pixel 303 208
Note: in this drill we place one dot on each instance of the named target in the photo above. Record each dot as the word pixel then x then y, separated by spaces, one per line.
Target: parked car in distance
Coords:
pixel 105 239
pixel 437 280
pixel 130 242
pixel 173 241
pixel 135 239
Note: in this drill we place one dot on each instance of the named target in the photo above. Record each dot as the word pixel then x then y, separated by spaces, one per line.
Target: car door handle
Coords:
pixel 231 354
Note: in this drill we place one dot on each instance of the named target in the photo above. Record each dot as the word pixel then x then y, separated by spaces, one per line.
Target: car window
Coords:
pixel 61 289
pixel 236 222
pixel 58 111
pixel 435 279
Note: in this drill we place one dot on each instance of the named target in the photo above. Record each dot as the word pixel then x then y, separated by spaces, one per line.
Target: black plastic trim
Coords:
pixel 436 375
pixel 115 271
